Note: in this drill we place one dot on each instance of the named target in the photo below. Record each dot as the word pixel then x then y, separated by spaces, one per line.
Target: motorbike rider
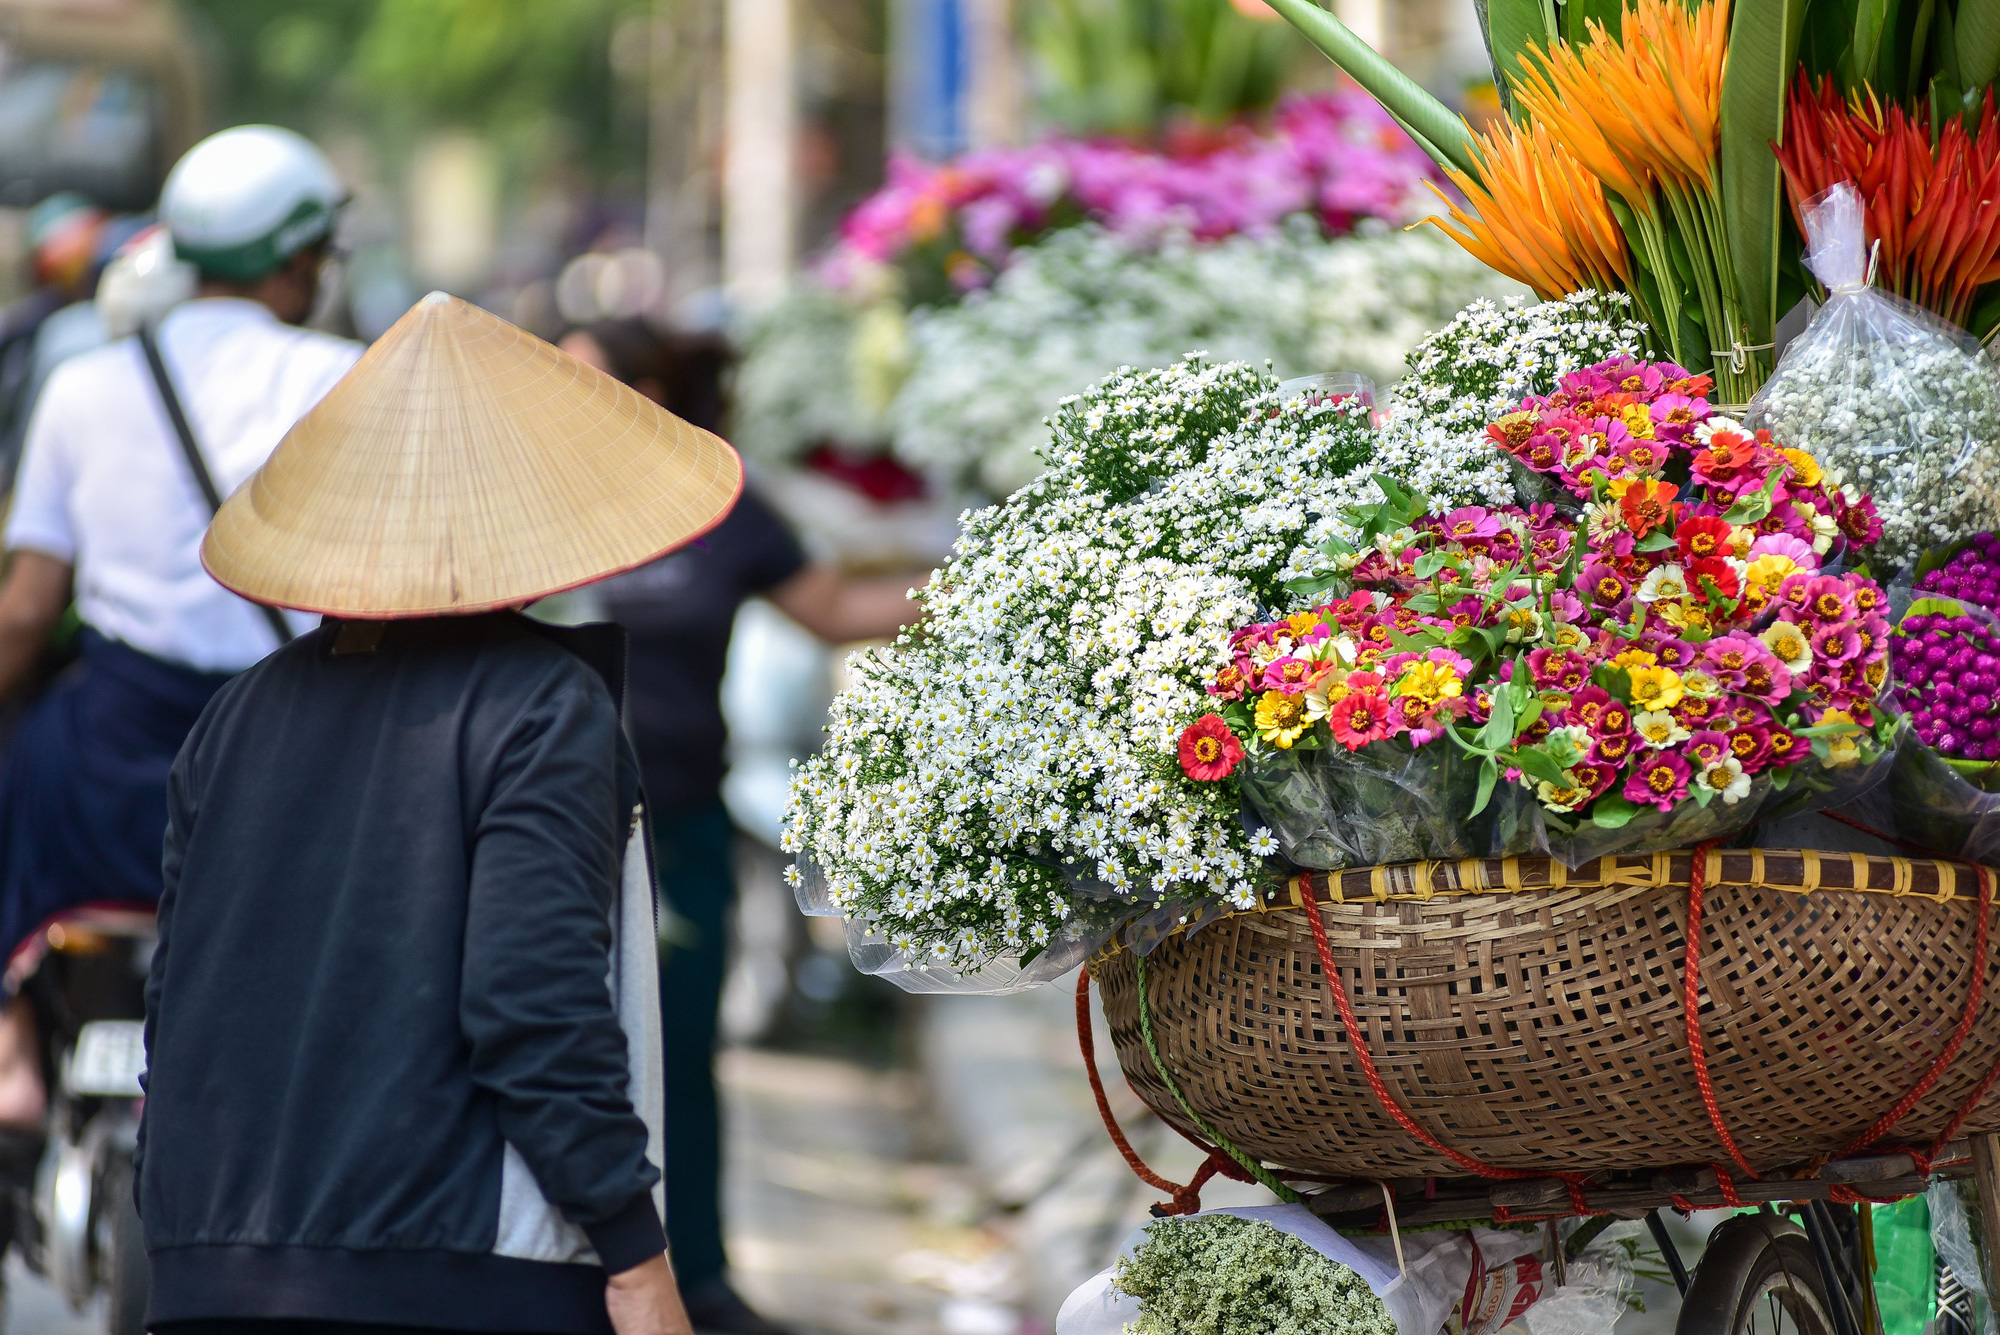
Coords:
pixel 109 507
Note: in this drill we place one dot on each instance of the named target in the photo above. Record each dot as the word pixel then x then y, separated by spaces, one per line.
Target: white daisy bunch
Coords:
pixel 1899 408
pixel 985 373
pixel 1479 367
pixel 1007 772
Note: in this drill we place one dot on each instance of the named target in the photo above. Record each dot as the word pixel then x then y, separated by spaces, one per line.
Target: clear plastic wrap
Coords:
pixel 1942 806
pixel 1574 843
pixel 1948 806
pixel 1887 396
pixel 1384 803
pixel 872 954
pixel 1951 1234
pixel 1419 1294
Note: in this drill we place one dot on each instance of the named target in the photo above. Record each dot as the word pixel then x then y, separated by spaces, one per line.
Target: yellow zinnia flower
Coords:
pixel 1843 748
pixel 1790 645
pixel 1804 467
pixel 1430 682
pixel 1281 718
pixel 1655 688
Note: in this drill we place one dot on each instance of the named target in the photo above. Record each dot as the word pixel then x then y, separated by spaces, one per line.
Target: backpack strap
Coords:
pixel 195 462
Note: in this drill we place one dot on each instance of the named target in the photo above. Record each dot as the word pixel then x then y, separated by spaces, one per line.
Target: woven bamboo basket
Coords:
pixel 1533 1017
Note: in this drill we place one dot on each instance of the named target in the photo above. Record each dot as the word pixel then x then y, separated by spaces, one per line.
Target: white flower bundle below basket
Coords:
pixel 1467 1282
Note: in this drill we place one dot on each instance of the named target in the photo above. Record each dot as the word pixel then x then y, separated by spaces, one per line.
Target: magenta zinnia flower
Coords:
pixel 1660 780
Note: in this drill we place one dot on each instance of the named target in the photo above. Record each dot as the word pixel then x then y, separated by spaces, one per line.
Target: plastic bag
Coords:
pixel 1384 803
pixel 871 952
pixel 1420 1296
pixel 1951 1234
pixel 1948 806
pixel 1886 396
pixel 1905 1283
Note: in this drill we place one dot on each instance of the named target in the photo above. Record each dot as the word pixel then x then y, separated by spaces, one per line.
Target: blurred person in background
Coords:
pixel 67 245
pixel 109 509
pixel 679 612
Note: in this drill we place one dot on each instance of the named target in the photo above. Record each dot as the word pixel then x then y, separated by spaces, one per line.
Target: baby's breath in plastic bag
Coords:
pixel 1890 399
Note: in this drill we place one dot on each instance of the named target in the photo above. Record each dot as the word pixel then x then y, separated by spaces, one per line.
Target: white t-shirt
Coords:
pixel 104 485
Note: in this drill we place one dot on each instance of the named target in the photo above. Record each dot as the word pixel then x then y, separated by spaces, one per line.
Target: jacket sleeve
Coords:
pixel 535 997
pixel 180 823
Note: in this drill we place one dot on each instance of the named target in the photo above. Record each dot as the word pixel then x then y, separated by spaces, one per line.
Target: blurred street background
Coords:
pixel 895 1163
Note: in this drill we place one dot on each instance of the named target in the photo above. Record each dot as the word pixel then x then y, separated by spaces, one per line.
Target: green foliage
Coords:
pixel 1438 130
pixel 1122 66
pixel 522 72
pixel 1510 25
pixel 1763 52
pixel 1220 1275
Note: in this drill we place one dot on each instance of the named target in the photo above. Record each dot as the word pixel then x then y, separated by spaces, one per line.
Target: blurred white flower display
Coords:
pixel 986 373
pixel 964 392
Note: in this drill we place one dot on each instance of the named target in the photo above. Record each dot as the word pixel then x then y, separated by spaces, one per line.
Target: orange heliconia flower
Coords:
pixel 1643 104
pixel 1542 218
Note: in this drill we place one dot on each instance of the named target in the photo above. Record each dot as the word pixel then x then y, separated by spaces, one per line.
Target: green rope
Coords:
pixel 1250 1165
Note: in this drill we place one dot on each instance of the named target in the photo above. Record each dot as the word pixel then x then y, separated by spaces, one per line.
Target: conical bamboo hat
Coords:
pixel 464 465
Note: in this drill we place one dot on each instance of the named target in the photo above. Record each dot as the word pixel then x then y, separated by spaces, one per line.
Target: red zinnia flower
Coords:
pixel 1360 717
pixel 1647 505
pixel 1714 573
pixel 1209 750
pixel 1703 537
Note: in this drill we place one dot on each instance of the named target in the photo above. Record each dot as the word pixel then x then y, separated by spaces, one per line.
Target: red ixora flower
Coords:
pixel 1209 750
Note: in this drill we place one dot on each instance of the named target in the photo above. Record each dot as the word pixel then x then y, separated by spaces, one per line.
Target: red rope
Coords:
pixel 1966 1020
pixel 1182 1199
pixel 1925 1158
pixel 1358 1043
pixel 1691 1013
pixel 1087 1042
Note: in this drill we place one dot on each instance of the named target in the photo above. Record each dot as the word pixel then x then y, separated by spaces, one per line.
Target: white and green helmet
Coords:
pixel 243 201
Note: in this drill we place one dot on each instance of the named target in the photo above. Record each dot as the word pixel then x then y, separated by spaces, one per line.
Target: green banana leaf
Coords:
pixel 1976 35
pixel 1873 22
pixel 1578 15
pixel 1763 52
pixel 1509 26
pixel 1438 129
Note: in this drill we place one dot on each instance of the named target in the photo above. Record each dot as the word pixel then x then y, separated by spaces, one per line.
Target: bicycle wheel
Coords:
pixel 1758 1277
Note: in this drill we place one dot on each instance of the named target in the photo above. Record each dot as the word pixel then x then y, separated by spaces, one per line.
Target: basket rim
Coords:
pixel 1790 870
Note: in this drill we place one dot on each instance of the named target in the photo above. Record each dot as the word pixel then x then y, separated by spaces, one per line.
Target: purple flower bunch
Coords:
pixel 1947 674
pixel 1972 575
pixel 1335 155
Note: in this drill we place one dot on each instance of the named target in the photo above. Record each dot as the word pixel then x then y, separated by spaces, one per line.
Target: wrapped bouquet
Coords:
pixel 1005 778
pixel 1653 669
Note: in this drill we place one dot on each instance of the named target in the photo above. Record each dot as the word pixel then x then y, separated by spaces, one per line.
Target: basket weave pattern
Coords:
pixel 1532 1016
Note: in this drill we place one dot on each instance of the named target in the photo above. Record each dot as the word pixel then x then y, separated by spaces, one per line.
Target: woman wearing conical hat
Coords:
pixel 388 1082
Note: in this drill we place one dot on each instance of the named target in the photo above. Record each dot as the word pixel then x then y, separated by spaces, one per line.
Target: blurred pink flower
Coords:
pixel 1335 155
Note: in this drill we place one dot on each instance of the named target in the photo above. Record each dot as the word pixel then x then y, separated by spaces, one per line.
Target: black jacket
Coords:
pixel 402 861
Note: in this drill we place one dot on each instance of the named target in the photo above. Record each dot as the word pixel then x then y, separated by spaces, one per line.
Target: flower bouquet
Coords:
pixel 1944 792
pixel 1898 400
pixel 1007 782
pixel 1654 671
pixel 1639 154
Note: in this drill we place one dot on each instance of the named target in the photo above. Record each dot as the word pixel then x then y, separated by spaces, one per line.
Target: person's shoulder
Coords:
pixel 528 658
pixel 329 350
pixel 89 375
